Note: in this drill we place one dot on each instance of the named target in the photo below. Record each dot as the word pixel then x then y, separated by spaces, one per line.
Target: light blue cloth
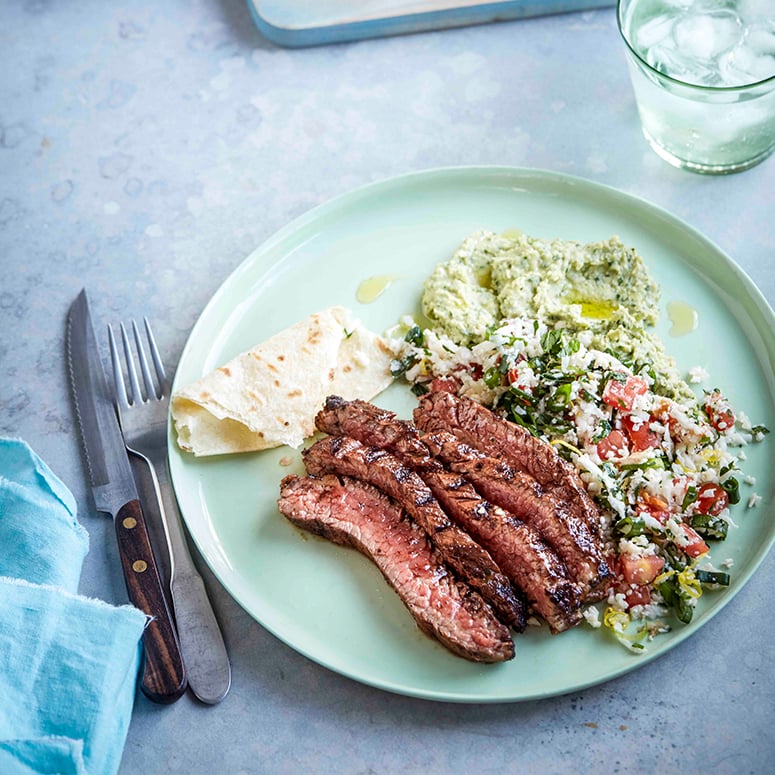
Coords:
pixel 68 664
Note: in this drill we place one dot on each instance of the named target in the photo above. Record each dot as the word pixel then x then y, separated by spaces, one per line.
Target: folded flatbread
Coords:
pixel 269 395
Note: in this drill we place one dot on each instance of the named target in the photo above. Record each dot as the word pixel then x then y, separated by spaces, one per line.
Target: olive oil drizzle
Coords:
pixel 684 318
pixel 372 288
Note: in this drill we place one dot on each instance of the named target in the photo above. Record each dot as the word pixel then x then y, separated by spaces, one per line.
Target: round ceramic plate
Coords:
pixel 331 603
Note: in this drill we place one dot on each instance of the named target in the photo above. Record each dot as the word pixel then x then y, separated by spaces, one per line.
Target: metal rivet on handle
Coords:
pixel 129 523
pixel 139 566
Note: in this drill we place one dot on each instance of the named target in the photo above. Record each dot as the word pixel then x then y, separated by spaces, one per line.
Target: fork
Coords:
pixel 143 416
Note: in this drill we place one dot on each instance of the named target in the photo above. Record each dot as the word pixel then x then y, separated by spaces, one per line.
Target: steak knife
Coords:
pixel 115 493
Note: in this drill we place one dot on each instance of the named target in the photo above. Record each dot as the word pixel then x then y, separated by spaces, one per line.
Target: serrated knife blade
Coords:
pixel 110 473
pixel 115 493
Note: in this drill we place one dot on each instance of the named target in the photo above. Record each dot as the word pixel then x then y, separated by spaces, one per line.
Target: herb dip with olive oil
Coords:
pixel 602 288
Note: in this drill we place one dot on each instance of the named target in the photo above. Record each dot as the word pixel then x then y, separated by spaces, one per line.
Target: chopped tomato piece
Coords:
pixel 640 435
pixel 621 393
pixel 634 575
pixel 638 594
pixel 641 570
pixel 719 412
pixel 614 445
pixel 655 505
pixel 654 502
pixel 513 376
pixel 695 546
pixel 711 499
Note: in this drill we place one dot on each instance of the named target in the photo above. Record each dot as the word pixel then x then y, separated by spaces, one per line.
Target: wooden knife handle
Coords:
pixel 164 676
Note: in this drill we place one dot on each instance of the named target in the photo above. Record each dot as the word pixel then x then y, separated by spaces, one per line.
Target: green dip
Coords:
pixel 602 287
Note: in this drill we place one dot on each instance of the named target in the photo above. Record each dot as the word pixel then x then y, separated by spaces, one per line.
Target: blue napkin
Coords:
pixel 68 664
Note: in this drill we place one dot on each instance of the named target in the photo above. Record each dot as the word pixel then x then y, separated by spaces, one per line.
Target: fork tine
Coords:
pixel 134 385
pixel 118 376
pixel 156 357
pixel 150 387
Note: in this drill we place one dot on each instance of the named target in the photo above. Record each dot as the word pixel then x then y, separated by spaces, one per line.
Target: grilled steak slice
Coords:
pixel 355 514
pixel 374 427
pixel 479 427
pixel 520 494
pixel 472 564
pixel 517 548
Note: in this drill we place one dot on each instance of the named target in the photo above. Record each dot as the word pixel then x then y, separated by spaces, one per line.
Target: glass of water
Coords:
pixel 703 72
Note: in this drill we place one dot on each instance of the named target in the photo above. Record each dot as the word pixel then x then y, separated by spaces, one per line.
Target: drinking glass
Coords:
pixel 703 73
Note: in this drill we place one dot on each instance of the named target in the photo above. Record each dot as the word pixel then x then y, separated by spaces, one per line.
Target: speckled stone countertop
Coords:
pixel 147 148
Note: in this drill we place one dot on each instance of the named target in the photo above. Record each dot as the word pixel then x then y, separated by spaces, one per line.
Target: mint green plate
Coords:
pixel 330 603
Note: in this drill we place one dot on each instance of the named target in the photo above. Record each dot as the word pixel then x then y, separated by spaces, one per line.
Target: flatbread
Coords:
pixel 269 395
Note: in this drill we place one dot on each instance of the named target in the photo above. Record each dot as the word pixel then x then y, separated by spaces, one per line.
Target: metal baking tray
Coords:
pixel 316 22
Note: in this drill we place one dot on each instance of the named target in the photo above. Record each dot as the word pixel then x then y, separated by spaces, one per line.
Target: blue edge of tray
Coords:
pixel 288 27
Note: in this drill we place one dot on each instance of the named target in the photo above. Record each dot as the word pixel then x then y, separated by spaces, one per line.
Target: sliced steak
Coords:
pixel 355 514
pixel 481 428
pixel 472 564
pixel 517 548
pixel 521 495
